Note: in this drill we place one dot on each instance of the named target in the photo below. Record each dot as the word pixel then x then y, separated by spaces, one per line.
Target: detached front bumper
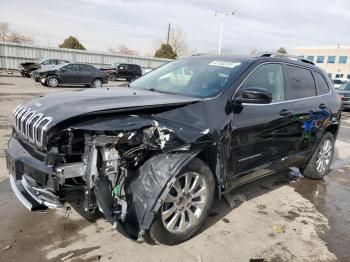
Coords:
pixel 31 179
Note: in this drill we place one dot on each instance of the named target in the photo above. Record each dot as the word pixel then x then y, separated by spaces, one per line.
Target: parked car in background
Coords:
pixel 147 70
pixel 126 71
pixel 339 81
pixel 73 74
pixel 28 68
pixel 152 156
pixel 344 92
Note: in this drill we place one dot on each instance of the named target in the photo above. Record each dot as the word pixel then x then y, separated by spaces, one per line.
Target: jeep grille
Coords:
pixel 30 125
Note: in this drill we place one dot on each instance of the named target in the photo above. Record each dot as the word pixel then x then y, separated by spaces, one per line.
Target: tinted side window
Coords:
pixel 301 81
pixel 321 84
pixel 123 67
pixel 47 62
pixel 270 77
pixel 85 68
pixel 72 67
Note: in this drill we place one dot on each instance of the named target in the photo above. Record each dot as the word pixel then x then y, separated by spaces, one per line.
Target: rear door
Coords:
pixel 261 133
pixel 311 109
pixel 86 74
pixel 70 74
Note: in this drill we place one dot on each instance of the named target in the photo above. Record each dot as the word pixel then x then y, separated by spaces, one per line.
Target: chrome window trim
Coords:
pixel 286 101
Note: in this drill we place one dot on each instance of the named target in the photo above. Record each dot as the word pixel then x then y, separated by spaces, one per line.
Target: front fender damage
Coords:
pixel 153 184
pixel 129 185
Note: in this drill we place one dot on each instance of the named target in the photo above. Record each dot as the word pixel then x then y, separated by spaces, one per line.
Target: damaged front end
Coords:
pixel 123 170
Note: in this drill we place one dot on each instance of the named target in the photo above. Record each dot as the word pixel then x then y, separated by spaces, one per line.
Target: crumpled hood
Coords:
pixel 65 105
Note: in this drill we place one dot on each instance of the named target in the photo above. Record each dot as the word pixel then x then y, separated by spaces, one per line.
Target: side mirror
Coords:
pixel 63 70
pixel 254 95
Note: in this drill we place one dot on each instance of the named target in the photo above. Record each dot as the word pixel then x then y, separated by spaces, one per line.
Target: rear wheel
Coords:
pixel 321 159
pixel 52 81
pixel 97 83
pixel 186 206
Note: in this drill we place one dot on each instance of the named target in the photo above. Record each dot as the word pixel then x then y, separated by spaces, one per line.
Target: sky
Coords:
pixel 101 24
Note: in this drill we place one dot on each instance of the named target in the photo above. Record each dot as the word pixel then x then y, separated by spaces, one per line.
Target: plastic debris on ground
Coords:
pixel 278 229
pixel 235 200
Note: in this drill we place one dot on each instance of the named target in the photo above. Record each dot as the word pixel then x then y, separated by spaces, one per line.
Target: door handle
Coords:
pixel 286 112
pixel 323 106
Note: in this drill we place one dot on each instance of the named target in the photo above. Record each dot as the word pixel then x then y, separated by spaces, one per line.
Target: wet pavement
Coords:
pixel 331 197
pixel 284 217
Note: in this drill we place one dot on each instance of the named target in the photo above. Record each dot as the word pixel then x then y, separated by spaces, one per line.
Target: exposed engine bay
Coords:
pixel 114 174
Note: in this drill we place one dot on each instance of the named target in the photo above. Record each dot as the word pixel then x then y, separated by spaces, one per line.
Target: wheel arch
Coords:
pixel 152 185
pixel 332 128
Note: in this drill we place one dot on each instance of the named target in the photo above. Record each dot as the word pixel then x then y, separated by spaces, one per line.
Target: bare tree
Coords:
pixel 282 50
pixel 177 40
pixel 123 50
pixel 4 31
pixel 7 35
pixel 253 51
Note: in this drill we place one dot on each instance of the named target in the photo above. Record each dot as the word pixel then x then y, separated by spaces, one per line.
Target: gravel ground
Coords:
pixel 282 219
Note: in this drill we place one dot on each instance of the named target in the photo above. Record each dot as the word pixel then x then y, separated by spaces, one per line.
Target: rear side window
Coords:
pixel 301 81
pixel 321 84
pixel 86 68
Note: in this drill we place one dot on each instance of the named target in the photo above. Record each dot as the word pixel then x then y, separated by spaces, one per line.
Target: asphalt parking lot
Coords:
pixel 280 218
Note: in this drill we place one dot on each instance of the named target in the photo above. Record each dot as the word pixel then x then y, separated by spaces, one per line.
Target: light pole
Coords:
pixel 222 16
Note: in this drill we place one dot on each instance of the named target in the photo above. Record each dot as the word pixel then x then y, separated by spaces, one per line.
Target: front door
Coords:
pixel 86 74
pixel 70 74
pixel 261 136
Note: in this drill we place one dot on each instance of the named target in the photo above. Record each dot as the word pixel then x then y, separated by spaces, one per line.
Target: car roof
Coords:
pixel 264 57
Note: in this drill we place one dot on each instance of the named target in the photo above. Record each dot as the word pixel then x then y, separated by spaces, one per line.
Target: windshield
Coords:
pixel 345 86
pixel 199 77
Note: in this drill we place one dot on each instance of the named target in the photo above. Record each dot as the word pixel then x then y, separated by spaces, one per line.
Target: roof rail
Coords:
pixel 280 55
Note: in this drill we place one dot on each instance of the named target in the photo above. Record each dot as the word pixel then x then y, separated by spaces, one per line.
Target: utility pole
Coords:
pixel 167 40
pixel 222 16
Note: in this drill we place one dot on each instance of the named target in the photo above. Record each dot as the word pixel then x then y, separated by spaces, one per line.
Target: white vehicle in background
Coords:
pixel 147 70
pixel 339 82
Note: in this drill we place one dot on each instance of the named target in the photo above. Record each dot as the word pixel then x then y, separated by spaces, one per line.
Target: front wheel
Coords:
pixel 321 159
pixel 97 83
pixel 52 82
pixel 186 206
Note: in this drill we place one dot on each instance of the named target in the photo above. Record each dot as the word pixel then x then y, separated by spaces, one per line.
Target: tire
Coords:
pixel 52 81
pixel 112 77
pixel 97 83
pixel 321 159
pixel 166 228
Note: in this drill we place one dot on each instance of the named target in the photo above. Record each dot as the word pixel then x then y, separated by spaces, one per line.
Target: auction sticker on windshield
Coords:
pixel 224 64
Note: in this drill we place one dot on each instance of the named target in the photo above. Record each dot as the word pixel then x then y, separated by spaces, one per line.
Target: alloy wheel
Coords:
pixel 53 82
pixel 324 156
pixel 97 83
pixel 185 203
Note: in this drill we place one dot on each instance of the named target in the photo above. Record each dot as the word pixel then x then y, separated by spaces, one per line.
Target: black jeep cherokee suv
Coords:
pixel 153 155
pixel 126 71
